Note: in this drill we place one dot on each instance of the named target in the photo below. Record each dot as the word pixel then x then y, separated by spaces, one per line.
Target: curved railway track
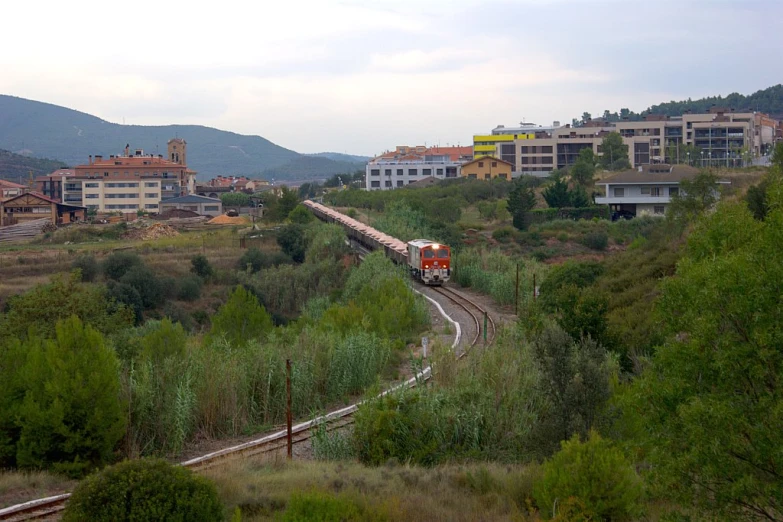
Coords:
pixel 476 312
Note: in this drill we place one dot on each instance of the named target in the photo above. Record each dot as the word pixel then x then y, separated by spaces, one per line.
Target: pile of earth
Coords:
pixel 146 232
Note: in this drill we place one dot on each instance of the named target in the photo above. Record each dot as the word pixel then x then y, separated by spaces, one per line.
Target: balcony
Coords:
pixel 632 200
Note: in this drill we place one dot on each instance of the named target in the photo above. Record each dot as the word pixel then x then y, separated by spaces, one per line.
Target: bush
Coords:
pixel 352 213
pixel 594 477
pixel 201 267
pixel 300 214
pixel 125 294
pixel 71 418
pixel 240 319
pixel 504 234
pixel 293 241
pixel 119 263
pixel 145 282
pixel 144 490
pixel 259 260
pixel 189 288
pixel 597 240
pixel 88 266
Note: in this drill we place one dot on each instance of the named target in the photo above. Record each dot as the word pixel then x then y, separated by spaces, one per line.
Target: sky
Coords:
pixel 362 76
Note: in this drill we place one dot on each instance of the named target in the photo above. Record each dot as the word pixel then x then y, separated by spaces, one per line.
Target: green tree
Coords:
pixel 615 152
pixel 557 195
pixel 163 339
pixel 287 202
pixel 711 402
pixel 117 264
pixel 293 241
pixel 575 381
pixel 146 283
pixel 41 307
pixel 521 200
pixel 578 197
pixel 301 215
pixel 240 319
pixel 694 197
pixel 777 156
pixel 589 480
pixel 72 418
pixel 88 266
pixel 583 171
pixel 235 199
pixel 144 490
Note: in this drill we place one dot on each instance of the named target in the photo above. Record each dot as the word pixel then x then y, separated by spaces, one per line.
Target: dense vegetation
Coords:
pixel 17 168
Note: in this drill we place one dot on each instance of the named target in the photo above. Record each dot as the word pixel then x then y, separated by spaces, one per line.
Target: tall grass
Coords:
pixel 493 273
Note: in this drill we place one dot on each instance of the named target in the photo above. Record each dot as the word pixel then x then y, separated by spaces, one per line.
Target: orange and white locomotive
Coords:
pixel 429 262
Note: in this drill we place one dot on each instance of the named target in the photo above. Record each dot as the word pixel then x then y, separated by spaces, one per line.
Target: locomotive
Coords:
pixel 428 261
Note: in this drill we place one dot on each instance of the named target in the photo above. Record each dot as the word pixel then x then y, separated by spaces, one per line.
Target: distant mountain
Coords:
pixel 17 168
pixel 311 167
pixel 45 130
pixel 337 156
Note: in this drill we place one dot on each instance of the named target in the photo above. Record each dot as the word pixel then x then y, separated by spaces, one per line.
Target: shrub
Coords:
pixel 240 319
pixel 352 213
pixel 144 490
pixel 71 419
pixel 258 260
pixel 201 267
pixel 88 266
pixel 596 475
pixel 128 296
pixel 504 234
pixel 189 288
pixel 119 263
pixel 300 215
pixel 293 241
pixel 163 339
pixel 597 240
pixel 145 282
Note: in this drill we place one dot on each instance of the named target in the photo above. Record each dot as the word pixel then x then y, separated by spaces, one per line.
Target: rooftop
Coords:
pixel 10 184
pixel 192 198
pixel 660 173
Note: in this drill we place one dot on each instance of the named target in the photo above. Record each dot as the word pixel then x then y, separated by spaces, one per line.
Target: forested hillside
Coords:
pixel 769 100
pixel 15 166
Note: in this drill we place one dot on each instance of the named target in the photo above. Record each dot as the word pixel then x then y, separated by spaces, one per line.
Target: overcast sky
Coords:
pixel 361 76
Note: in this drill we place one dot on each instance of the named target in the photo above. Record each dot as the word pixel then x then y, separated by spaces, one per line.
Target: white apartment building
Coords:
pixel 405 165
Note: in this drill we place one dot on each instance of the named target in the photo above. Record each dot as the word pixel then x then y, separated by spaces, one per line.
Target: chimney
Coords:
pixel 90 159
pixel 127 149
pixel 98 158
pixel 555 124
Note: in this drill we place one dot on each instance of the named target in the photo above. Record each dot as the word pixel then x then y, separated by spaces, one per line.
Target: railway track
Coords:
pixel 476 312
pixel 47 508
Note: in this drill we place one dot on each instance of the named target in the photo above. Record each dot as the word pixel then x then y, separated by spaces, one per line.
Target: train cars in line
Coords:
pixel 424 269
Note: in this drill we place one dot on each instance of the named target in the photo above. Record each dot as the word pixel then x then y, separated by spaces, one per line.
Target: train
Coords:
pixel 428 261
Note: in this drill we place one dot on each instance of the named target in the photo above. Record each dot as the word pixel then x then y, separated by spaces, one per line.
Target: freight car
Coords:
pixel 427 260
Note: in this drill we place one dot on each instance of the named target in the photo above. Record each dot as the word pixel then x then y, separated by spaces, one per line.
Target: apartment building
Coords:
pixel 51 185
pixel 131 181
pixel 405 165
pixel 718 138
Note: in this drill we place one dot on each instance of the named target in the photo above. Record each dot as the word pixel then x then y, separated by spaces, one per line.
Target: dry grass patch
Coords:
pixel 392 492
pixel 22 486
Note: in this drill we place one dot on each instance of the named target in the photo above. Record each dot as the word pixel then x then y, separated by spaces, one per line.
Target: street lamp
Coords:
pixel 702 159
pixel 689 159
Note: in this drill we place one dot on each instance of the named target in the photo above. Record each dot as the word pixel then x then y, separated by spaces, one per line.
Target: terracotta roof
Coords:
pixel 133 161
pixel 4 183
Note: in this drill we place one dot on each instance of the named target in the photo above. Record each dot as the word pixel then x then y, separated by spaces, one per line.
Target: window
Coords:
pixel 524 149
pixel 481 164
pixel 651 191
pixel 659 209
pixel 150 195
pixel 619 192
pixel 375 172
pixel 439 172
pixel 472 176
pixel 399 172
pixel 388 184
pixel 502 176
pixel 92 185
pixel 151 184
pixel 487 176
pixel 645 191
pixel 443 253
pixel 428 254
pixel 494 163
pixel 151 205
pixel 375 184
pixel 211 208
pixel 673 191
pixel 426 172
pixel 546 149
pixel 399 183
pixel 546 160
pixel 412 172
pixel 91 196
pixel 387 172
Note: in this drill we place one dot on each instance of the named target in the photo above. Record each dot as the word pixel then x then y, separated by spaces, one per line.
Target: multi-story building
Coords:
pixel 51 185
pixel 718 138
pixel 131 181
pixel 9 189
pixel 406 165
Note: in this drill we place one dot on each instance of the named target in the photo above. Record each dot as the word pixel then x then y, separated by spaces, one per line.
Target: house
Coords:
pixel 645 190
pixel 9 189
pixel 487 167
pixel 200 204
pixel 31 206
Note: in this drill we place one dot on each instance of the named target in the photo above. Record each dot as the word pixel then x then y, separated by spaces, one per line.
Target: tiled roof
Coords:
pixel 653 174
pixel 9 184
pixel 191 198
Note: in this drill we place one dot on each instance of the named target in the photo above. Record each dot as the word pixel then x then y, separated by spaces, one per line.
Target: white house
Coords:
pixel 645 190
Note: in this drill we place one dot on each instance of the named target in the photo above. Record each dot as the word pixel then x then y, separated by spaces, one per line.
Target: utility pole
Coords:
pixel 289 415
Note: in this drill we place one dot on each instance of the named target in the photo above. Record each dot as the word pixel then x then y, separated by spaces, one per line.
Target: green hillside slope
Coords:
pixel 17 168
pixel 46 130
